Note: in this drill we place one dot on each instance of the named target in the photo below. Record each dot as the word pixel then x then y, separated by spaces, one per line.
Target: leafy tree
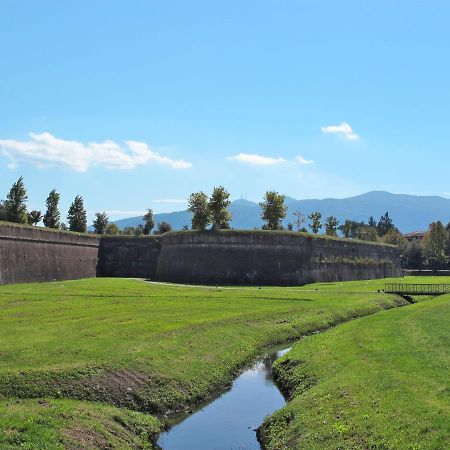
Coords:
pixel 384 225
pixel 185 228
pixel 77 215
pixel 139 230
pixel 101 222
pixel 413 256
pixel 52 215
pixel 366 233
pixel 164 227
pixel 299 219
pixel 372 222
pixel 112 228
pixel 347 228
pixel 315 224
pixel 273 210
pixel 16 203
pixel 290 227
pixel 218 208
pixel 198 206
pixel 434 245
pixel 34 217
pixel 331 226
pixel 149 222
pixel 3 215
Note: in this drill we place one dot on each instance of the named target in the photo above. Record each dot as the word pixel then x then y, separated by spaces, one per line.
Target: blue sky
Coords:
pixel 137 104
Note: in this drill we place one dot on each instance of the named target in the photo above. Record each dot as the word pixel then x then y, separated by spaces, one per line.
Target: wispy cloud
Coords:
pixel 256 160
pixel 45 150
pixel 302 160
pixel 343 129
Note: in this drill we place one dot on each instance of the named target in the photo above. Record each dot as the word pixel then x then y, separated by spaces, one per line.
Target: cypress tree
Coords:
pixel 16 203
pixel 52 215
pixel 77 216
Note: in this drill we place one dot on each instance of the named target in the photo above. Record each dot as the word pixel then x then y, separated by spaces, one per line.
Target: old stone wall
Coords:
pixel 267 258
pixel 227 257
pixel 34 254
pixel 125 256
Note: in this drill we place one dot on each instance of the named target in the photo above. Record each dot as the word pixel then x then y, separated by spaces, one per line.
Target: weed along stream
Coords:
pixel 229 422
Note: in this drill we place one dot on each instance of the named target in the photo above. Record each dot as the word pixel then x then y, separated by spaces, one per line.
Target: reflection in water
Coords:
pixel 229 422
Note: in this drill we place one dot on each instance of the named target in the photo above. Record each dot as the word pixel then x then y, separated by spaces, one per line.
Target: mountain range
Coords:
pixel 409 212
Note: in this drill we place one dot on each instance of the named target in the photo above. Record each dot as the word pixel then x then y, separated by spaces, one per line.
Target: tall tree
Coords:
pixel 52 215
pixel 100 223
pixel 273 210
pixel 384 225
pixel 16 203
pixel 434 245
pixel 413 256
pixel 372 222
pixel 331 226
pixel 149 222
pixel 34 217
pixel 77 215
pixel 198 206
pixel 315 224
pixel 218 208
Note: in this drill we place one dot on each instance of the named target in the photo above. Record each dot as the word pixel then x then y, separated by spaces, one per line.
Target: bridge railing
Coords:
pixel 416 289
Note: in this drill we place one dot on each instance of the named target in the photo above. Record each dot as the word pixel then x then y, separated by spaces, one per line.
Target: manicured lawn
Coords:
pixel 380 382
pixel 105 347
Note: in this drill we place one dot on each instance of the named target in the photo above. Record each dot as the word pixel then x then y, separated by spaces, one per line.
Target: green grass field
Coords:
pixel 121 352
pixel 380 382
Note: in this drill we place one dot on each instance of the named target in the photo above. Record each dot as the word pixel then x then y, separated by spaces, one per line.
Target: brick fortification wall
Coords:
pixel 34 254
pixel 261 257
pixel 128 256
pixel 227 257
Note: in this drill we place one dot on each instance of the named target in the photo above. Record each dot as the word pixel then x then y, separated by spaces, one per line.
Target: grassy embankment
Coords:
pixel 147 347
pixel 381 382
pixel 77 356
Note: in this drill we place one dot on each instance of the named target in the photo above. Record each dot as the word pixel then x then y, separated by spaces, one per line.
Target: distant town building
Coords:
pixel 414 236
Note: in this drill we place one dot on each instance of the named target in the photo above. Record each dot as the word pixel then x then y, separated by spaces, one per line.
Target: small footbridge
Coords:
pixel 416 289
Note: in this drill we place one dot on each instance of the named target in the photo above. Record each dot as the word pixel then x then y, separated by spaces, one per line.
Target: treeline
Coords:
pixel 433 252
pixel 14 209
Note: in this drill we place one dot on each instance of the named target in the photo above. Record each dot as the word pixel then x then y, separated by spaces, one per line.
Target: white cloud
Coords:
pixel 121 212
pixel 45 150
pixel 302 160
pixel 256 160
pixel 343 129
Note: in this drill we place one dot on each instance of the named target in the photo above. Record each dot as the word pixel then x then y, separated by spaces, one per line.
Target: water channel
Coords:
pixel 229 422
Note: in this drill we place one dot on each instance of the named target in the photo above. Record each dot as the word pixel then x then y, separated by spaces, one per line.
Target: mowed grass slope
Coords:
pixel 152 347
pixel 381 382
pixel 138 346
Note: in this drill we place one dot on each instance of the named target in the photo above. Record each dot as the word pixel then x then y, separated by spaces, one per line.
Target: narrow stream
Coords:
pixel 229 422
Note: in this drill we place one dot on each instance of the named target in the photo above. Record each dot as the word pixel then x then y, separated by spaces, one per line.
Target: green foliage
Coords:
pixel 218 208
pixel 149 222
pixel 273 210
pixel 52 214
pixel 34 217
pixel 358 230
pixel 3 215
pixel 77 216
pixel 384 225
pixel 16 203
pixel 164 227
pixel 435 245
pixel 331 226
pixel 113 229
pixel 100 223
pixel 413 256
pixel 315 224
pixel 198 206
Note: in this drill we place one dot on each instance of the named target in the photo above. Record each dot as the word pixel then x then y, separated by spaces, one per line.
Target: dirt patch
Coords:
pixel 83 437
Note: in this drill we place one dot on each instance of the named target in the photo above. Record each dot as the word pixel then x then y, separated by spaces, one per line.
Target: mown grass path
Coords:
pixel 144 347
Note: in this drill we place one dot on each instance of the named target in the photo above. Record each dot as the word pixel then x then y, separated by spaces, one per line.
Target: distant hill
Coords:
pixel 409 212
